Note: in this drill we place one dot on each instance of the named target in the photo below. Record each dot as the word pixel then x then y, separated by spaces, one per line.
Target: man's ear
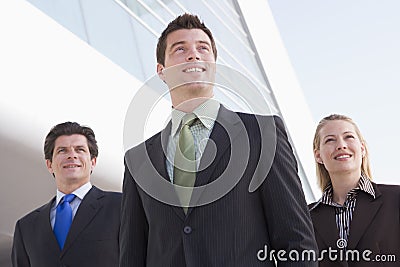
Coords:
pixel 94 161
pixel 160 72
pixel 49 166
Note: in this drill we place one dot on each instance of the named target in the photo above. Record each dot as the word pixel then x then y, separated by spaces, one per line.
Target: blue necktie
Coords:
pixel 63 219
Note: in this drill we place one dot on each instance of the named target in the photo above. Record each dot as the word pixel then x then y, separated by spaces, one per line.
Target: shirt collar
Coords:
pixel 364 184
pixel 80 192
pixel 207 113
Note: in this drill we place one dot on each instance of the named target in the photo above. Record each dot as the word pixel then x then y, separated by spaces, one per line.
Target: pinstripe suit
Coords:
pixel 226 232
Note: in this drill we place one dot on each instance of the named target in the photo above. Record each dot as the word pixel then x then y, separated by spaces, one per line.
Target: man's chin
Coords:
pixel 197 89
pixel 73 177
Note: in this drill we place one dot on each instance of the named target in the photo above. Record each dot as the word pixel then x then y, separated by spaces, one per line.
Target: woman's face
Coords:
pixel 341 150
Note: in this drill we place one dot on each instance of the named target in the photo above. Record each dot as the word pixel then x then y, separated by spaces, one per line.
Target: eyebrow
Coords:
pixel 77 146
pixel 183 42
pixel 326 137
pixel 176 43
pixel 332 135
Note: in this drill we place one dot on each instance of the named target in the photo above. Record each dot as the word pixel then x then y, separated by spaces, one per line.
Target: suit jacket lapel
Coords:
pixel 226 128
pixel 154 168
pixel 43 227
pixel 157 150
pixel 325 225
pixel 87 210
pixel 364 213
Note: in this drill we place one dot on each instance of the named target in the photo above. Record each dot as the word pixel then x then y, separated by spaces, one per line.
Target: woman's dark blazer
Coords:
pixel 375 226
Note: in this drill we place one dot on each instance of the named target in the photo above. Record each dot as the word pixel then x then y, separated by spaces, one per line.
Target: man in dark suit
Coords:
pixel 246 208
pixel 91 238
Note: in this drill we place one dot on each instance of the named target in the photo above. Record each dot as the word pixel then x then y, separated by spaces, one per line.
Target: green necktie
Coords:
pixel 185 161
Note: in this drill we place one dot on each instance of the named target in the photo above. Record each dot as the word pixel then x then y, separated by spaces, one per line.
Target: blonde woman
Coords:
pixel 356 221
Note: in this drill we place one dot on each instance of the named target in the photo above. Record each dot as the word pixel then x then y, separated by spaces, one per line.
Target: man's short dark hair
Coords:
pixel 69 128
pixel 185 21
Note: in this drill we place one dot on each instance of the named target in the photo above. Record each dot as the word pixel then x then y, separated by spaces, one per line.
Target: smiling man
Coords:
pixel 79 226
pixel 186 198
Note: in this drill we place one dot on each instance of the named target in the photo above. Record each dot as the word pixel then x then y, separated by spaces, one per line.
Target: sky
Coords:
pixel 347 60
pixel 346 55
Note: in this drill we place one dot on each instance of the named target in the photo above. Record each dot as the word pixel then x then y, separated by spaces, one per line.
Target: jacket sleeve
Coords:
pixel 19 256
pixel 288 219
pixel 134 227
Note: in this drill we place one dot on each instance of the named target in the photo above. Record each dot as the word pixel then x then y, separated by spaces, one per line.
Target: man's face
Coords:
pixel 71 163
pixel 183 46
pixel 189 63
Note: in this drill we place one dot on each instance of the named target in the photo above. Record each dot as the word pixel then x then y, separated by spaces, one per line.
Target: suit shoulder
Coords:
pixel 109 194
pixel 141 147
pixel 262 119
pixel 393 187
pixel 113 195
pixel 110 200
pixel 245 115
pixel 389 189
pixel 33 214
pixel 147 141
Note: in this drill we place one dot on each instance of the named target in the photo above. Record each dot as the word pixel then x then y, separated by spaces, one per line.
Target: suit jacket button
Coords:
pixel 187 229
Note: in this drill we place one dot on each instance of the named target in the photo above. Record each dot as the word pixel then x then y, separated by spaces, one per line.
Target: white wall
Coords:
pixel 48 76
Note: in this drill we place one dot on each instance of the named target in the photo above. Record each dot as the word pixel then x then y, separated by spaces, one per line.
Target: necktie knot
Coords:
pixel 188 119
pixel 185 150
pixel 68 198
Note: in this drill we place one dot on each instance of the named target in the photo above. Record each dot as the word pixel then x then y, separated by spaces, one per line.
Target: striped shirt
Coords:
pixel 201 129
pixel 344 213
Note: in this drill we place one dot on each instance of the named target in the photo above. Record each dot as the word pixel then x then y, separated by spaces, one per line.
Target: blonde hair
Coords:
pixel 322 174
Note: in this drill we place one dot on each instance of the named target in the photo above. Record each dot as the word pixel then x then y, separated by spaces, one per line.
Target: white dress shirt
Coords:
pixel 80 193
